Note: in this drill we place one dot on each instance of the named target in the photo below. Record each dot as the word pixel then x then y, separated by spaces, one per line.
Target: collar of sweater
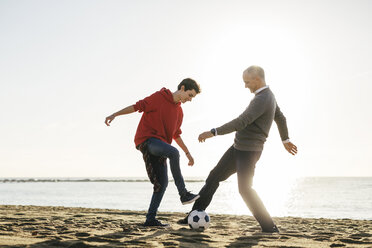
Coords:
pixel 261 89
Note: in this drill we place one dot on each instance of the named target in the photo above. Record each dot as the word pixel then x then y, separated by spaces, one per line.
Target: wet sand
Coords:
pixel 37 227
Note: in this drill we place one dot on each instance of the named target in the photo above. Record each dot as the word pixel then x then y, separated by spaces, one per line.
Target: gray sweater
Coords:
pixel 253 125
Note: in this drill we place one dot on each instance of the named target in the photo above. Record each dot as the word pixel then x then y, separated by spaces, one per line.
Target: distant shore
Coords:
pixel 34 226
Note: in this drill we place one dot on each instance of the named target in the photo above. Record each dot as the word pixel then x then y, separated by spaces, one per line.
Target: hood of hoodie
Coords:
pixel 168 95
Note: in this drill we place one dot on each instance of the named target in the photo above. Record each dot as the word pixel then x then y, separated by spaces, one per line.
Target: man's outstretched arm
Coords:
pixel 128 110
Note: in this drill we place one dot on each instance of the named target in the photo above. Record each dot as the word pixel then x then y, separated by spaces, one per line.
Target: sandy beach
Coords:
pixel 34 226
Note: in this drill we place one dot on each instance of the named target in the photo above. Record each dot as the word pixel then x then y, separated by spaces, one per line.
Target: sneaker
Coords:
pixel 183 221
pixel 155 222
pixel 188 197
pixel 274 229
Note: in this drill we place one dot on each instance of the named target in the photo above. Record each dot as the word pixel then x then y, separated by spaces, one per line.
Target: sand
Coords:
pixel 37 227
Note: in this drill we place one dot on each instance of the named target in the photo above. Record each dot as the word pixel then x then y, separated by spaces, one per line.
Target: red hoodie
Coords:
pixel 161 118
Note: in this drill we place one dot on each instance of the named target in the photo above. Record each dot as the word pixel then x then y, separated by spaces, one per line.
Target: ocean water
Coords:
pixel 313 197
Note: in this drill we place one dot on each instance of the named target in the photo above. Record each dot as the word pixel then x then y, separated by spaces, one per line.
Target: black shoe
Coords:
pixel 183 221
pixel 188 197
pixel 274 229
pixel 155 223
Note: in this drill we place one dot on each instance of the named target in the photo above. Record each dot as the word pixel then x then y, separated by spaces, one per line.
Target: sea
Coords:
pixel 309 197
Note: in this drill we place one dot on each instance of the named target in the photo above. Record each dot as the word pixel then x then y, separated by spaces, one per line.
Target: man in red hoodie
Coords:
pixel 161 123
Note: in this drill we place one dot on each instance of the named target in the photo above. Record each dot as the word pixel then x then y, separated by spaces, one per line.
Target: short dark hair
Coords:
pixel 190 84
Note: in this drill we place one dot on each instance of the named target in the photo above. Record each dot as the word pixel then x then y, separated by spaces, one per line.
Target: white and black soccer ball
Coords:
pixel 198 219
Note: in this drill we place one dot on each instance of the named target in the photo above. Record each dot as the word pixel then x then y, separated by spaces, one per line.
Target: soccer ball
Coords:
pixel 199 220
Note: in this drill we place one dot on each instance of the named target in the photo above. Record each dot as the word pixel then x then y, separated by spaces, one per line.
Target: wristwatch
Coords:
pixel 213 131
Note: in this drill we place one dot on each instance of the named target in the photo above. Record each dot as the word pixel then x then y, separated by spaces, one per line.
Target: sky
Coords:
pixel 66 65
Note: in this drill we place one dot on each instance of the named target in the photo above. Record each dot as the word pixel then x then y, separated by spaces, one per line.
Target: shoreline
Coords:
pixel 43 226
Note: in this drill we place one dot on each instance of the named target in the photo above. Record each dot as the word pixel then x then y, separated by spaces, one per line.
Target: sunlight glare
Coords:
pixel 273 191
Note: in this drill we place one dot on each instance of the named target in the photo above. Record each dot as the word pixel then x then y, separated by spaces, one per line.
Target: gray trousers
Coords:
pixel 243 163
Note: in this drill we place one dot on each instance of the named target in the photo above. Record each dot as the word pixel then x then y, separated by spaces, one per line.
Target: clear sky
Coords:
pixel 66 65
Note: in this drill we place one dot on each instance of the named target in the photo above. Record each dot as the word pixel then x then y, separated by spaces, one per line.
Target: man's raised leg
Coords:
pixel 223 170
pixel 159 148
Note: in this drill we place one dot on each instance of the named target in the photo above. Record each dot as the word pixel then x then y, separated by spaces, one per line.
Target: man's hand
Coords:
pixel 205 135
pixel 291 148
pixel 191 159
pixel 109 119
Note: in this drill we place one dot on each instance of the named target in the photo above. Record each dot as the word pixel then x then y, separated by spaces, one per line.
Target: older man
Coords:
pixel 252 128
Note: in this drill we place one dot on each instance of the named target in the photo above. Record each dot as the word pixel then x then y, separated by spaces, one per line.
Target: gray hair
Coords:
pixel 257 71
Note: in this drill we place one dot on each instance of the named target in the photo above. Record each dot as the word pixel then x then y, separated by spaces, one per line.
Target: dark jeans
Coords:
pixel 243 163
pixel 156 198
pixel 159 148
